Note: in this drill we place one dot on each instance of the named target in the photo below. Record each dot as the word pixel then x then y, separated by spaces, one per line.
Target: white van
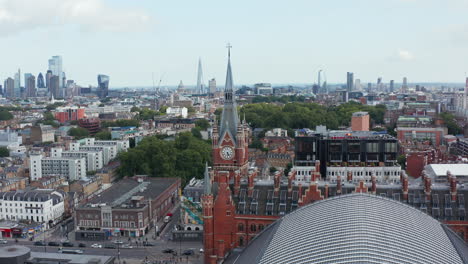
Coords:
pixel 167 219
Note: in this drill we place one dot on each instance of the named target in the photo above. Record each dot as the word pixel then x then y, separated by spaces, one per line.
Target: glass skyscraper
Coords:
pixel 103 86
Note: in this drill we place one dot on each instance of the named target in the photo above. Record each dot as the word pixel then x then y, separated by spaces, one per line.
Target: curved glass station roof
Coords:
pixel 355 228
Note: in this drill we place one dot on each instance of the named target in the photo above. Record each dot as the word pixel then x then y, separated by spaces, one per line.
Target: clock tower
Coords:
pixel 230 139
pixel 230 164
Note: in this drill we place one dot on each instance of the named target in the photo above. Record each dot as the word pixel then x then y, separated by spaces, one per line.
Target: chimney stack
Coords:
pixel 427 188
pixel 405 186
pixel 453 186
pixel 350 176
pixel 250 181
pixel 374 184
pixel 326 190
pixel 338 185
pixel 277 183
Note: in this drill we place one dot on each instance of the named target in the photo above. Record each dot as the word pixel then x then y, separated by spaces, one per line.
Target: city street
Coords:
pixel 152 253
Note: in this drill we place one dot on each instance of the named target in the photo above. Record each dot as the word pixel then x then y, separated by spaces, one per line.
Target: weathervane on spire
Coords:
pixel 228 46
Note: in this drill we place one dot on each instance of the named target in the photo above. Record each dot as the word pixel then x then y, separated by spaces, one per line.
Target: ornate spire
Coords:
pixel 207 180
pixel 229 118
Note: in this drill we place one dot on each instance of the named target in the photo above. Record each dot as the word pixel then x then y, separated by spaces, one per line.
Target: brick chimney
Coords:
pixel 338 185
pixel 250 182
pixel 277 183
pixel 404 183
pixel 300 194
pixel 374 184
pixel 326 190
pixel 291 178
pixel 453 187
pixel 350 176
pixel 427 188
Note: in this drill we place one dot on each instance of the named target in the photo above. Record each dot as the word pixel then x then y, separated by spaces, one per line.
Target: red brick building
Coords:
pixel 69 114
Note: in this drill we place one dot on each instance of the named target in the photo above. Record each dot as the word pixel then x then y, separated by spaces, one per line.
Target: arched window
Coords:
pixel 197 228
pixel 260 227
pixel 253 228
pixel 189 228
pixel 240 227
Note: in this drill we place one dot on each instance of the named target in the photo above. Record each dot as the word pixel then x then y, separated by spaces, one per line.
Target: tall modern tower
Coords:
pixel 357 85
pixel 465 94
pixel 200 85
pixel 392 86
pixel 40 81
pixel 9 88
pixel 103 86
pixel 48 76
pixel 55 66
pixel 404 87
pixel 17 78
pixel 30 85
pixel 212 85
pixel 54 86
pixel 349 81
pixel 26 77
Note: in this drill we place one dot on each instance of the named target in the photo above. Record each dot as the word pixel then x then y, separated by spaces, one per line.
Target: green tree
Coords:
pixel 273 170
pixel 4 152
pixel 203 124
pixel 135 109
pixel 103 135
pixel 402 161
pixel 451 123
pixel 78 132
pixel 196 132
pixel 5 115
pixel 183 157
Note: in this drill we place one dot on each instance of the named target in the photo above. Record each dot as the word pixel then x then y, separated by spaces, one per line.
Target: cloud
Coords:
pixel 405 55
pixel 22 15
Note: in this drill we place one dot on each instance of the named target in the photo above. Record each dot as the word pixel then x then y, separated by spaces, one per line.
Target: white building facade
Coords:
pixel 39 206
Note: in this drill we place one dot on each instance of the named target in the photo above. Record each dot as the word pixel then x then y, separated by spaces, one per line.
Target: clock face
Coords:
pixel 227 153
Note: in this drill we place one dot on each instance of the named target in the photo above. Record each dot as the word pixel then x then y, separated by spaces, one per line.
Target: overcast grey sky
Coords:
pixel 273 41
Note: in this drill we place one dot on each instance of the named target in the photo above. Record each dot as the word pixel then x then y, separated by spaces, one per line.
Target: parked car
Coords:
pixel 168 250
pixel 188 252
pixel 111 246
pixel 67 244
pixel 70 251
pixel 39 243
pixel 96 246
pixel 126 246
pixel 53 244
pixel 3 241
pixel 82 245
pixel 148 244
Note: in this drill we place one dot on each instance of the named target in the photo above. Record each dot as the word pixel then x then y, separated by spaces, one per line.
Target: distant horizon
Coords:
pixel 134 42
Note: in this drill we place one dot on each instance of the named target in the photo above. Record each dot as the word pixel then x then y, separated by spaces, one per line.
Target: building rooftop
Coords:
pixel 455 169
pixel 121 192
pixel 355 228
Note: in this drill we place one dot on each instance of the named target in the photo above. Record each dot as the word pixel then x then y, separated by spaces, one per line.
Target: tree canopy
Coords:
pixel 103 135
pixel 78 132
pixel 203 124
pixel 4 152
pixel 183 157
pixel 306 115
pixel 452 126
pixel 5 115
pixel 120 123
